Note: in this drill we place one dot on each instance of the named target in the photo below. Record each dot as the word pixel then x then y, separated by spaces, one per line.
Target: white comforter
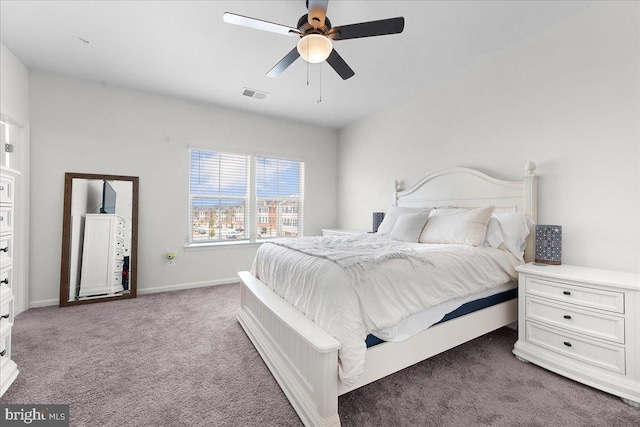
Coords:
pixel 350 306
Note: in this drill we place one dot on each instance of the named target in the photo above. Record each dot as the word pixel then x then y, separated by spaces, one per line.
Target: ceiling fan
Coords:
pixel 316 35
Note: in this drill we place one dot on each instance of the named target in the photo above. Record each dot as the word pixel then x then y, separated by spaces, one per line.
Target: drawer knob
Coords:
pixel 567 343
pixel 5 281
pixel 6 316
pixel 566 292
pixel 5 249
pixel 566 316
pixel 1 218
pixel 3 352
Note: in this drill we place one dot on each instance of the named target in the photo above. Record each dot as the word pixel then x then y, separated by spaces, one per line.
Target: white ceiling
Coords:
pixel 184 49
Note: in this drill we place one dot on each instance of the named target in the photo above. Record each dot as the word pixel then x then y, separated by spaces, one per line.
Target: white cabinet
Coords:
pixel 8 368
pixel 582 323
pixel 103 255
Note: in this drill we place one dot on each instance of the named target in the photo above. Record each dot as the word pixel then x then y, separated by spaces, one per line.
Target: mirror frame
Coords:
pixel 66 244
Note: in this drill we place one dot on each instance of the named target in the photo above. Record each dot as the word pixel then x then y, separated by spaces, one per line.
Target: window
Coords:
pixel 280 196
pixel 223 196
pixel 219 196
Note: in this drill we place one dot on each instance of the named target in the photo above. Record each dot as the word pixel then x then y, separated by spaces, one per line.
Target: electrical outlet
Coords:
pixel 171 259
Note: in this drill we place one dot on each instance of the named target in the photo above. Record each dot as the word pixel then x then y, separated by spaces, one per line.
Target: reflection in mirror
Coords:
pixel 99 238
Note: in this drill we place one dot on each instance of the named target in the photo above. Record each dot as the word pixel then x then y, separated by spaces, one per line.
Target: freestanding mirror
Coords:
pixel 99 238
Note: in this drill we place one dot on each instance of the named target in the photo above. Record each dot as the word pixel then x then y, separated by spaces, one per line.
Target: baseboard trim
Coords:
pixel 43 303
pixel 155 290
pixel 182 286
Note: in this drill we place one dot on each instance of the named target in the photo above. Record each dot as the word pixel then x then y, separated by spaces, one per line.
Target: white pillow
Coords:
pixel 394 212
pixel 462 226
pixel 409 226
pixel 494 237
pixel 515 229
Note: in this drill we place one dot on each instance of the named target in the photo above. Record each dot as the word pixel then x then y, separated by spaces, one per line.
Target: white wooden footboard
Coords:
pixel 389 357
pixel 302 357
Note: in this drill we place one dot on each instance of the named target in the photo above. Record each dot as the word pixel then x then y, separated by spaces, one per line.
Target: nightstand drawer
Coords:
pixel 587 297
pixel 594 353
pixel 595 324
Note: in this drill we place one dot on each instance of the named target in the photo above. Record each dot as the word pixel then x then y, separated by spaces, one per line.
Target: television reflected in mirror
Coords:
pixel 109 197
pixel 99 238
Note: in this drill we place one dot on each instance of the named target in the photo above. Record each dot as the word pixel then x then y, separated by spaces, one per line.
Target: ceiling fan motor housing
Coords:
pixel 306 28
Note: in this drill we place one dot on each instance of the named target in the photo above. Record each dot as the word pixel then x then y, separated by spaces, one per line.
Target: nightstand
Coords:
pixel 583 323
pixel 341 232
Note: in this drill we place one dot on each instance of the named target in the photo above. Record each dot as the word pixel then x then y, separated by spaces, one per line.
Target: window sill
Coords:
pixel 215 245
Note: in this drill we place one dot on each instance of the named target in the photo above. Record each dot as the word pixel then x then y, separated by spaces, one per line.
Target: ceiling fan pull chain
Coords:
pixel 320 97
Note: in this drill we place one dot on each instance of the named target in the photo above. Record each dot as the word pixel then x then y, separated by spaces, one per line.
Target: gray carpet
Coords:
pixel 181 359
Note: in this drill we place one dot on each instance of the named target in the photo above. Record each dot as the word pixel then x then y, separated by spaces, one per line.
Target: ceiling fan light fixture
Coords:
pixel 314 48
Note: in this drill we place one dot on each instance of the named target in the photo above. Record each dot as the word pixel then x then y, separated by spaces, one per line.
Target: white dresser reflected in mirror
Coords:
pixel 99 238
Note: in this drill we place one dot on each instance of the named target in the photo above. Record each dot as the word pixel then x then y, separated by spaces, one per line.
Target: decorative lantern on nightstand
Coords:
pixel 549 244
pixel 377 220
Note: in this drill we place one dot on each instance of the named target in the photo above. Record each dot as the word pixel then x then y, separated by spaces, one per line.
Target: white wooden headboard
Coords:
pixel 469 188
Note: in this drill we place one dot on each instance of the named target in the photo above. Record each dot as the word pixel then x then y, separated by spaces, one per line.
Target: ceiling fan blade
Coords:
pixel 317 12
pixel 338 64
pixel 368 29
pixel 284 63
pixel 245 21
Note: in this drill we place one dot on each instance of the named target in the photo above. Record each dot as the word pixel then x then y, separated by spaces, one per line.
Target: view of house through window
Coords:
pixel 222 191
pixel 279 187
pixel 219 193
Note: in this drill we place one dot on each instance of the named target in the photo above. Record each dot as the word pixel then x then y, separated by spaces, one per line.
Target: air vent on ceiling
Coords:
pixel 252 93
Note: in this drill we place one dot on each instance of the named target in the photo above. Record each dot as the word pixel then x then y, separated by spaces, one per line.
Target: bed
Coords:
pixel 303 357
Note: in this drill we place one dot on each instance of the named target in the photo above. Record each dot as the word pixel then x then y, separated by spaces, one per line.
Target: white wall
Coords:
pixel 567 98
pixel 14 86
pixel 85 127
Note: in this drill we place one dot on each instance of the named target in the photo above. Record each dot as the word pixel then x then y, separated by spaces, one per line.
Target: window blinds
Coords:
pixel 221 190
pixel 280 197
pixel 219 196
